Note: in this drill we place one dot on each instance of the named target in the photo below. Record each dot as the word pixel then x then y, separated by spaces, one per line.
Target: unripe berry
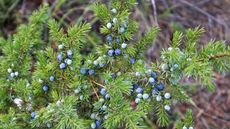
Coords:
pixel 167 95
pixel 145 96
pixel 9 70
pixel 40 80
pixel 175 66
pixel 69 53
pixel 68 61
pixel 109 25
pixel 101 64
pixel 167 107
pixel 158 98
pixel 164 67
pixel 101 100
pixel 170 49
pixel 184 127
pixel 139 95
pixel 114 20
pixel 118 73
pixel 16 73
pixel 114 11
pixel 137 74
pixel 81 97
pixel 93 125
pixel 137 100
pixel 95 62
pixel 123 45
pixel 60 46
pixel 78 90
pixel 122 30
pixel 104 107
pixel 92 116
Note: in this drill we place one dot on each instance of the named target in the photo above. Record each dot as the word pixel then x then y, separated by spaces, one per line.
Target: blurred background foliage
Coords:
pixel 212 110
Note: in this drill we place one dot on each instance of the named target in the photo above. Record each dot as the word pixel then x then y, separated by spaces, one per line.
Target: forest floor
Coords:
pixel 212 110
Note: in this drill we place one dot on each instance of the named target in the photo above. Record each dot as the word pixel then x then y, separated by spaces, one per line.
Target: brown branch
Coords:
pixel 95 92
pixel 213 57
pixel 98 84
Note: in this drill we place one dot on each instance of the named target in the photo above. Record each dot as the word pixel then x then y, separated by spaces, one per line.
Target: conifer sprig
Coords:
pixel 53 85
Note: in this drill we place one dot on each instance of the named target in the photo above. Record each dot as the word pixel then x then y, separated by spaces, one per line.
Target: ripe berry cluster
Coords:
pixel 99 113
pixel 64 58
pixel 157 89
pixel 114 39
pixel 12 73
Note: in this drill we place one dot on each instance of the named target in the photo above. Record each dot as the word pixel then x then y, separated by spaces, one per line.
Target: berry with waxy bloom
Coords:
pixel 59 57
pixel 45 88
pixel 160 86
pixel 51 78
pixel 83 71
pixel 109 38
pixel 91 72
pixel 111 52
pixel 62 66
pixel 151 80
pixel 33 115
pixel 139 90
pixel 132 60
pixel 155 91
pixel 103 91
pixel 117 52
